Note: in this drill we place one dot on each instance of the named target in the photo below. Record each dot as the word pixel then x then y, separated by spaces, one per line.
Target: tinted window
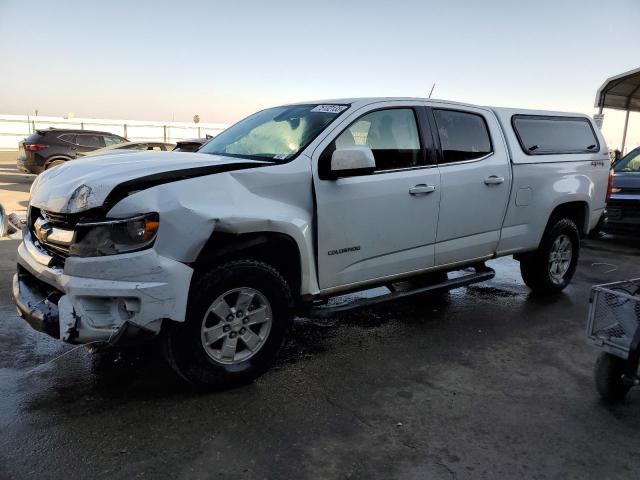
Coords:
pixel 463 136
pixel 544 135
pixel 629 163
pixel 89 140
pixel 108 140
pixel 68 137
pixel 392 136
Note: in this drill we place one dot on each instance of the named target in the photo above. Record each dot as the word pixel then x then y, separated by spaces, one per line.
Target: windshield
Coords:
pixel 276 134
pixel 629 163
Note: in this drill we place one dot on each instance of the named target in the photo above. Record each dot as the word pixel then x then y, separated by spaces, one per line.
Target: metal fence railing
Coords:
pixel 14 128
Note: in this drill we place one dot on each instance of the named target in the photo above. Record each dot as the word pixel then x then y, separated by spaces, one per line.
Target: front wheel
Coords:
pixel 550 268
pixel 237 318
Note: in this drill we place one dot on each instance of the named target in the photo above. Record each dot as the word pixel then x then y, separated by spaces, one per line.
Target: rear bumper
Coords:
pixel 28 167
pixel 622 216
pixel 631 228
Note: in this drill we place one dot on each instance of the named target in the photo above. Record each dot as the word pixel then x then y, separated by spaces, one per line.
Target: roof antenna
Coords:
pixel 432 87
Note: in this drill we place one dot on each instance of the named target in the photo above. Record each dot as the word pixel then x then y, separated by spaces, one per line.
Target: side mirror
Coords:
pixel 352 161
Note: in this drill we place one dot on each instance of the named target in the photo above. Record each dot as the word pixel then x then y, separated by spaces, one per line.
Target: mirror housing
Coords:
pixel 352 161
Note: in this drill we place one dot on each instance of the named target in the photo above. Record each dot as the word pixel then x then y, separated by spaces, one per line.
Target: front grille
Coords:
pixel 63 221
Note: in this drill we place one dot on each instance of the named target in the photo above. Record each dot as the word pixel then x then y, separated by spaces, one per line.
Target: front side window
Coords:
pixel 463 135
pixel 629 163
pixel 90 140
pixel 392 136
pixel 276 134
pixel 540 135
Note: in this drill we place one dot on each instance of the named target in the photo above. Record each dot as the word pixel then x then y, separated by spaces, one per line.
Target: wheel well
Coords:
pixel 575 211
pixel 53 159
pixel 276 249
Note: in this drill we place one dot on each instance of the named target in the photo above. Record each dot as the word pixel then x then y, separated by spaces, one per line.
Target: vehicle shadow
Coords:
pixel 106 379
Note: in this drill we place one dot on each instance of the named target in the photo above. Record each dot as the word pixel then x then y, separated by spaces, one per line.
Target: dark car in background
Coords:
pixel 191 145
pixel 622 214
pixel 54 146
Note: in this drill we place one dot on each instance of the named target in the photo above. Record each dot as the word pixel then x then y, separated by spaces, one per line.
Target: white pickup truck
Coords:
pixel 217 250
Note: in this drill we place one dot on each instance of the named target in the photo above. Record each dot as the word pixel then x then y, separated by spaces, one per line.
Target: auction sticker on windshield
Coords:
pixel 329 108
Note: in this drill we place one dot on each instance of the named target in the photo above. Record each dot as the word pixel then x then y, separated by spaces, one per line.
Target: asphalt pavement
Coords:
pixel 486 381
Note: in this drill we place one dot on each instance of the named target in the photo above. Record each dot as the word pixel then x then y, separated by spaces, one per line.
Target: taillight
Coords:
pixel 35 147
pixel 610 185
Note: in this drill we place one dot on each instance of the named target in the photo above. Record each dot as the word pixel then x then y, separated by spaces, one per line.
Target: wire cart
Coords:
pixel 614 318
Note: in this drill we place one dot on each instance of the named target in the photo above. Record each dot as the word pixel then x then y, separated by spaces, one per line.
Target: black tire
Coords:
pixel 608 377
pixel 54 163
pixel 15 224
pixel 535 266
pixel 183 345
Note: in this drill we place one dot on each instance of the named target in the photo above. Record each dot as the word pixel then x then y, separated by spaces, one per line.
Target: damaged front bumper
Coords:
pixel 36 306
pixel 99 299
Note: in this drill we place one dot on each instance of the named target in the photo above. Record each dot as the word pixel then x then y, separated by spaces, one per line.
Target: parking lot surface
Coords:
pixel 14 185
pixel 483 382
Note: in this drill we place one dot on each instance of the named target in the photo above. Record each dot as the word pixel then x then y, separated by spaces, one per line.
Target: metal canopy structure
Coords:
pixel 621 92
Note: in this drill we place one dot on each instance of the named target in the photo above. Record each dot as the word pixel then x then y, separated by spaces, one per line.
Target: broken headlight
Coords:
pixel 111 237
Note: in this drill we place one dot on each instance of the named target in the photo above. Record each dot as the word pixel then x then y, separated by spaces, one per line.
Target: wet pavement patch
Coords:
pixel 486 381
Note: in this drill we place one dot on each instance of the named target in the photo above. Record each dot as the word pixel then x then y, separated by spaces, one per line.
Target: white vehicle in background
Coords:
pixel 217 250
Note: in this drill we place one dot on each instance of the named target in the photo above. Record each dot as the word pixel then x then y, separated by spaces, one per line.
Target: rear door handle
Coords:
pixel 422 189
pixel 493 180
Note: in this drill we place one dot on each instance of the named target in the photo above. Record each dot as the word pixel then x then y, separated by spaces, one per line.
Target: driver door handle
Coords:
pixel 493 180
pixel 422 189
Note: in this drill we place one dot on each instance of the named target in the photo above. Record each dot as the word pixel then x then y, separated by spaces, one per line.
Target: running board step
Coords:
pixel 481 275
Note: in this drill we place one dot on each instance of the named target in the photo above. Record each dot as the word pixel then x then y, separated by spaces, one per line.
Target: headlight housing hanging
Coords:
pixel 111 237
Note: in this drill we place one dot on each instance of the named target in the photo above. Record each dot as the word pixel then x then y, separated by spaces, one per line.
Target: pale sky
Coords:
pixel 159 60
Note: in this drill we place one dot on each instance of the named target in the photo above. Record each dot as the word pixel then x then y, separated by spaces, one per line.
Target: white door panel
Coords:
pixel 471 211
pixel 474 195
pixel 372 226
pixel 466 248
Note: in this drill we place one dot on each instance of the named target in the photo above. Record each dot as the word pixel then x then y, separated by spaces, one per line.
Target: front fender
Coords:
pixel 275 198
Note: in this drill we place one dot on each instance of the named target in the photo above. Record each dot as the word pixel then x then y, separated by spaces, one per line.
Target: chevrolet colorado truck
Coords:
pixel 216 251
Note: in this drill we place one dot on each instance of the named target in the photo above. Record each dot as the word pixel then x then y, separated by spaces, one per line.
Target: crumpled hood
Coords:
pixel 86 183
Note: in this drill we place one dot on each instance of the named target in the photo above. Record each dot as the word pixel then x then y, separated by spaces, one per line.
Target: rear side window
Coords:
pixel 109 140
pixel 89 140
pixel 463 135
pixel 392 136
pixel 68 137
pixel 541 135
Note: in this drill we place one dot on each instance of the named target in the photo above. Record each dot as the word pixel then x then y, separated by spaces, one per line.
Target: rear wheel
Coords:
pixel 54 163
pixel 237 318
pixel 550 268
